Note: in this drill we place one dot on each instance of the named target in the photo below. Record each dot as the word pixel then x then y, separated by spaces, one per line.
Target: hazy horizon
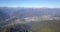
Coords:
pixel 29 15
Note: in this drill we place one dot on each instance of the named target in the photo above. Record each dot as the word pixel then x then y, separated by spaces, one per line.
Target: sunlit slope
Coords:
pixel 46 26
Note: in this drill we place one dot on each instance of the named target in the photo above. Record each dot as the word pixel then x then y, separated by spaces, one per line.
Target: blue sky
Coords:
pixel 30 3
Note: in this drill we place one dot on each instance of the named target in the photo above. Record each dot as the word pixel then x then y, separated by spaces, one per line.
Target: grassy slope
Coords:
pixel 46 26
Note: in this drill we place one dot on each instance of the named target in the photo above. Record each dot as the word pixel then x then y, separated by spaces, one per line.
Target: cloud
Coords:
pixel 40 18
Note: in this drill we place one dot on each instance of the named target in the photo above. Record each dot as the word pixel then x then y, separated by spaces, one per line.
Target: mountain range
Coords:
pixel 35 17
